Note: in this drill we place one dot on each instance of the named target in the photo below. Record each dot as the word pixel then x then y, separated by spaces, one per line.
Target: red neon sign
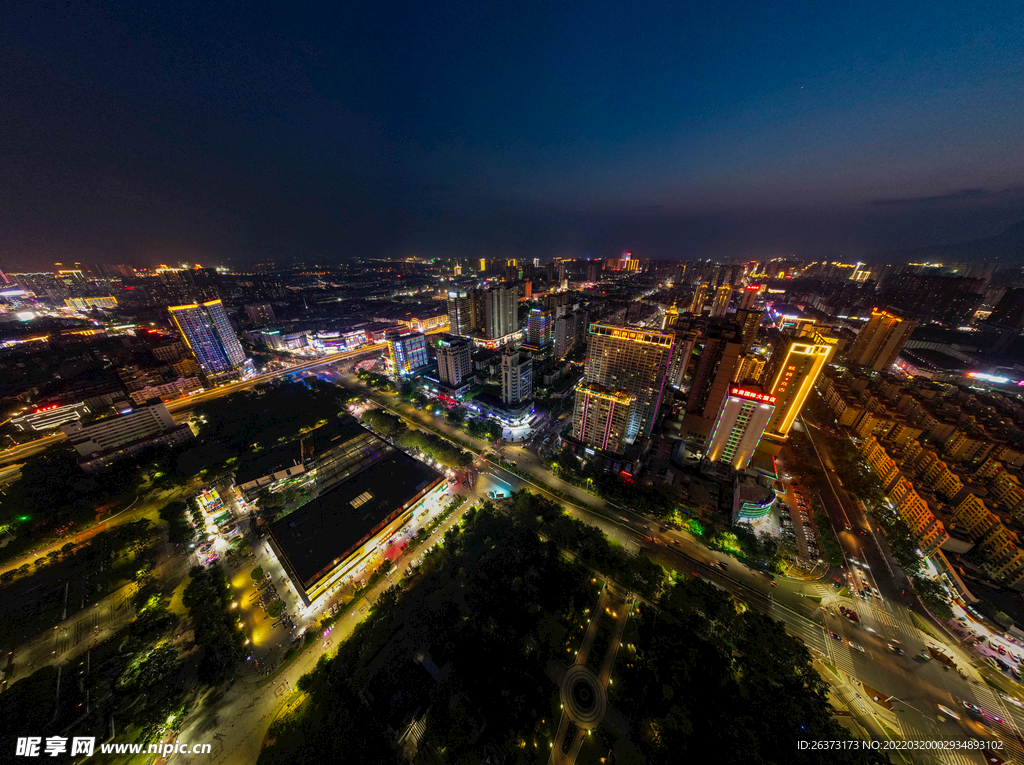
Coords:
pixel 752 395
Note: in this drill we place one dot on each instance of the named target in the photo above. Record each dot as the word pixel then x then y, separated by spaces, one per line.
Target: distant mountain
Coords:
pixel 1007 248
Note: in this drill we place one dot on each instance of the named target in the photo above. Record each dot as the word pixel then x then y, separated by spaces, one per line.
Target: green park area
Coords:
pixel 466 647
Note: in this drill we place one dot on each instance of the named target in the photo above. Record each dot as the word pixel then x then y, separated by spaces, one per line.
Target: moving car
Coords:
pixel 835 637
pixel 857 647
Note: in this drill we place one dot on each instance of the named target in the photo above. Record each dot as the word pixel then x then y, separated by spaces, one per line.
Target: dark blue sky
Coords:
pixel 245 131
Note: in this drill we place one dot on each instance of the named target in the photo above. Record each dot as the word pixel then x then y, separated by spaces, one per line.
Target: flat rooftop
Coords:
pixel 323 532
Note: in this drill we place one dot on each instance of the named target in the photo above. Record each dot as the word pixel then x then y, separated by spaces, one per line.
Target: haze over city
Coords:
pixel 147 134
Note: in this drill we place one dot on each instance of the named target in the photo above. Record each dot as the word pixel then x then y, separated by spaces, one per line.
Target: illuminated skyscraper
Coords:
pixel 460 312
pixel 407 352
pixel 539 327
pixel 880 340
pixel 790 375
pixel 501 311
pixel 697 304
pixel 601 416
pixel 206 330
pixel 720 305
pixel 634 360
pixel 740 423
pixel 749 297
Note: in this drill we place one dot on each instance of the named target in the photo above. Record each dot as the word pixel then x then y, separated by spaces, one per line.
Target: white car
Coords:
pixel 857 647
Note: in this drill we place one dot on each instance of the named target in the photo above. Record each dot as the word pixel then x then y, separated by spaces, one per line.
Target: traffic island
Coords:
pixel 877 696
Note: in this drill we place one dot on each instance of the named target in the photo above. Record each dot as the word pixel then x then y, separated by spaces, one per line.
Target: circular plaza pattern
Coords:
pixel 583 698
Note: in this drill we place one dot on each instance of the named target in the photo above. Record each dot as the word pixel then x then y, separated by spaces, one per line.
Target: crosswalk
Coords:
pixel 1010 734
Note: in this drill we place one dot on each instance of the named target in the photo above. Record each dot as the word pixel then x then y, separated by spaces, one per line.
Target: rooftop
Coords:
pixel 323 532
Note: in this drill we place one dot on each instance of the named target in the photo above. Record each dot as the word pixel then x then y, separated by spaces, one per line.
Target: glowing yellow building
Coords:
pixel 790 375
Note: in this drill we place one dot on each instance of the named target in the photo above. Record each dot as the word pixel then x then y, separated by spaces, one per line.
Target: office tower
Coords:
pixel 720 305
pixel 593 271
pixel 565 334
pixel 699 296
pixel 483 266
pixel 601 416
pixel 750 368
pixel 454 360
pixel 407 352
pixel 457 270
pixel 551 272
pixel 260 314
pixel 716 369
pixel 516 377
pixel 880 340
pixel 460 312
pixel 536 262
pixel 749 322
pixel 539 327
pixel 562 275
pixel 527 288
pixel 501 312
pixel 682 352
pixel 740 424
pixel 209 336
pixel 635 360
pixel 749 296
pixel 790 375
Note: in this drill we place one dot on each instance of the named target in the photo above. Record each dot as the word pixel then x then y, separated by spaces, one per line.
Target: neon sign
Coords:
pixel 752 395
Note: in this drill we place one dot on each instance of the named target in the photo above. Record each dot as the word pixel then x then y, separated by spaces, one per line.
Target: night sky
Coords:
pixel 247 132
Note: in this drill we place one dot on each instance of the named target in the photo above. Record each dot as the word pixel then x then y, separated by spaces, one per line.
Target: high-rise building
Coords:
pixel 699 296
pixel 594 271
pixel 407 351
pixel 750 367
pixel 749 322
pixel 880 340
pixel 749 296
pixel 501 311
pixel 88 303
pixel 454 360
pixel 516 377
pixel 740 424
pixel 261 314
pixel 539 327
pixel 206 330
pixel 565 334
pixel 635 360
pixel 720 305
pixel 790 375
pixel 715 371
pixel 601 416
pixel 460 312
pixel 682 351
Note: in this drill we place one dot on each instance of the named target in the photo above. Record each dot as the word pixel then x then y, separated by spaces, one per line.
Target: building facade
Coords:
pixel 516 377
pixel 454 360
pixel 739 426
pixel 208 333
pixel 629 359
pixel 601 416
pixel 880 341
pixel 790 375
pixel 407 351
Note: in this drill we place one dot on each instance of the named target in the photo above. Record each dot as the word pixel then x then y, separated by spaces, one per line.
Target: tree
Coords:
pixel 932 596
pixel 275 609
pixel 257 573
pixel 384 423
